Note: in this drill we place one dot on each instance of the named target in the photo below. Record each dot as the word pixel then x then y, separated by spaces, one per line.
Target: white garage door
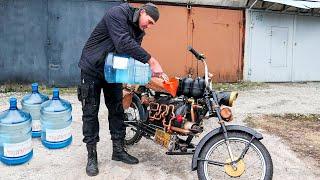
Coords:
pixel 281 47
pixel 307 49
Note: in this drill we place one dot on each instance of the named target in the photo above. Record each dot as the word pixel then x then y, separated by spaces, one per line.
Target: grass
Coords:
pixel 298 117
pixel 291 117
pixel 14 87
pixel 300 131
pixel 239 86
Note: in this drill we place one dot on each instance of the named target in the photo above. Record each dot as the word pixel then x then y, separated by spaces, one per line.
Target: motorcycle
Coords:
pixel 173 114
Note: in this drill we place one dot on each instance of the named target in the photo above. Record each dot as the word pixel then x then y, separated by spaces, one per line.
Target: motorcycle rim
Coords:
pixel 216 150
pixel 132 133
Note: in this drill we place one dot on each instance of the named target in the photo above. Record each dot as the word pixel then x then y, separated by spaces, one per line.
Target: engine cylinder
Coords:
pixel 191 87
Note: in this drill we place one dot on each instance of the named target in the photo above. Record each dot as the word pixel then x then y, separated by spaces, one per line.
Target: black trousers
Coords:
pixel 89 92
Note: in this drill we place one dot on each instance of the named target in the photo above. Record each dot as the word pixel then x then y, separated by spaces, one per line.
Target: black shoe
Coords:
pixel 92 165
pixel 119 154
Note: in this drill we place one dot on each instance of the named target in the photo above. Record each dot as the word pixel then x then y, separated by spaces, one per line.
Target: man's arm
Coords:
pixel 118 28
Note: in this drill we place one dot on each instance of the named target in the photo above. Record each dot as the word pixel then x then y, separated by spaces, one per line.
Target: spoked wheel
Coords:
pixel 133 115
pixel 256 164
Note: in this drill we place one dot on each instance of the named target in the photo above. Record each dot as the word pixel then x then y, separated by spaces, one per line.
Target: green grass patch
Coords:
pixel 239 86
pixel 14 87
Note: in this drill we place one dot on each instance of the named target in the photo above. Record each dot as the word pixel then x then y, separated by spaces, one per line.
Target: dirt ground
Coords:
pixel 69 163
pixel 300 132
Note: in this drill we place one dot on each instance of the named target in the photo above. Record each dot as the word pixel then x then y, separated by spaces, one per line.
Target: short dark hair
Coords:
pixel 152 10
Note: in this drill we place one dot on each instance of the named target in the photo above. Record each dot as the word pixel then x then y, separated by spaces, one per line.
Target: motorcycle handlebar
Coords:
pixel 195 53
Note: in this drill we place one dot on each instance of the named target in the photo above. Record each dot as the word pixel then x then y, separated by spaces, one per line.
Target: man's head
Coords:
pixel 148 15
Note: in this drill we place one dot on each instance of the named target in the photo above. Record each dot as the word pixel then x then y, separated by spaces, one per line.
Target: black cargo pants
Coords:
pixel 89 92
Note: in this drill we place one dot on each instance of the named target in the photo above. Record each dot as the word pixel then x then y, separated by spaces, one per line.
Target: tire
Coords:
pixel 216 142
pixel 136 132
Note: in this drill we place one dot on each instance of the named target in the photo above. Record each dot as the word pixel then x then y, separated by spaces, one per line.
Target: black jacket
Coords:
pixel 116 32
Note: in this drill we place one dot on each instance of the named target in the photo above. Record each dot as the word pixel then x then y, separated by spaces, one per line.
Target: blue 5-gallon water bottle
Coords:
pixel 125 69
pixel 15 135
pixel 31 103
pixel 55 117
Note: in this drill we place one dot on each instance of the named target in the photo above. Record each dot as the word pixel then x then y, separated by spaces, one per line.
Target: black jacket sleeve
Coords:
pixel 118 28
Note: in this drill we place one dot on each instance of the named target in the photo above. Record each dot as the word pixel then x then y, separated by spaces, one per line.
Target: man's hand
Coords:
pixel 164 77
pixel 155 66
pixel 157 69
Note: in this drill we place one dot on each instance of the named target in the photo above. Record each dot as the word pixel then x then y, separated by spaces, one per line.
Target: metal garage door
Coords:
pixel 69 26
pixel 282 48
pixel 167 41
pixel 41 40
pixel 269 47
pixel 23 34
pixel 306 49
pixel 218 33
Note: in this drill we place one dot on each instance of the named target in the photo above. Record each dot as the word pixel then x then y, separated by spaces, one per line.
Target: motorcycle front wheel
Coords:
pixel 256 164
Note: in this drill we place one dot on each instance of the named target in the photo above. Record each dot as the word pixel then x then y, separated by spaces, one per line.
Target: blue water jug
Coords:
pixel 56 118
pixel 125 69
pixel 15 135
pixel 31 103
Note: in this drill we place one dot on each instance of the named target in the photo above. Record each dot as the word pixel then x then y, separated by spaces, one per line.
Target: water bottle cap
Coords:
pixel 34 87
pixel 55 93
pixel 13 103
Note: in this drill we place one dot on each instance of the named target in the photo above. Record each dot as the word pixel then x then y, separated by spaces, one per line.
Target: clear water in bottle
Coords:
pixel 56 118
pixel 15 135
pixel 125 69
pixel 31 103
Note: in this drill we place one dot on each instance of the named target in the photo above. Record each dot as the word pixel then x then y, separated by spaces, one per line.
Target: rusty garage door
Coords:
pixel 218 33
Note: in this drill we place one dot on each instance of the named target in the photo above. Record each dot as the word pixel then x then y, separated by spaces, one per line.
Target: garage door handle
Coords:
pixel 54 66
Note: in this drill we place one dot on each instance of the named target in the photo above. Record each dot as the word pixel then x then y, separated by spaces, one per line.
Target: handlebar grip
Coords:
pixel 195 53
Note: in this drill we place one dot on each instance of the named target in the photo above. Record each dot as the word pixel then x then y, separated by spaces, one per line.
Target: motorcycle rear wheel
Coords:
pixel 133 114
pixel 257 162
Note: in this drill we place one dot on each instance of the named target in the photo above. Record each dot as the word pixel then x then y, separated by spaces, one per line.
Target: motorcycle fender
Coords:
pixel 126 99
pixel 216 132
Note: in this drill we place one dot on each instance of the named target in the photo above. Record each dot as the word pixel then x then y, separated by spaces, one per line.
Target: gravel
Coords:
pixel 69 163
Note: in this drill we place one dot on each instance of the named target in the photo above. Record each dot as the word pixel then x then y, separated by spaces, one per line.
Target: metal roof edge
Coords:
pixel 230 4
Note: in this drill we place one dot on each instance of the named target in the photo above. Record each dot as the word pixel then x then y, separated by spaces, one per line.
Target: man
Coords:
pixel 121 31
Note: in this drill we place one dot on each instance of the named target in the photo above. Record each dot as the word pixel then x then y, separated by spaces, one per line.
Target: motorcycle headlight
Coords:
pixel 226 113
pixel 227 98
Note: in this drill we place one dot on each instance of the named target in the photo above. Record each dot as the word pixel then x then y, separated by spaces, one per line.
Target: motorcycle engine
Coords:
pixel 174 114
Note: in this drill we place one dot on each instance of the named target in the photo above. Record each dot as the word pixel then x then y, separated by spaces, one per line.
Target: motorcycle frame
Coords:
pixel 214 109
pixel 212 103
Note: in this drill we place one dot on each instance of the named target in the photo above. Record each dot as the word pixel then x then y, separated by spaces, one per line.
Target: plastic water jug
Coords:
pixel 15 135
pixel 125 69
pixel 56 118
pixel 31 103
